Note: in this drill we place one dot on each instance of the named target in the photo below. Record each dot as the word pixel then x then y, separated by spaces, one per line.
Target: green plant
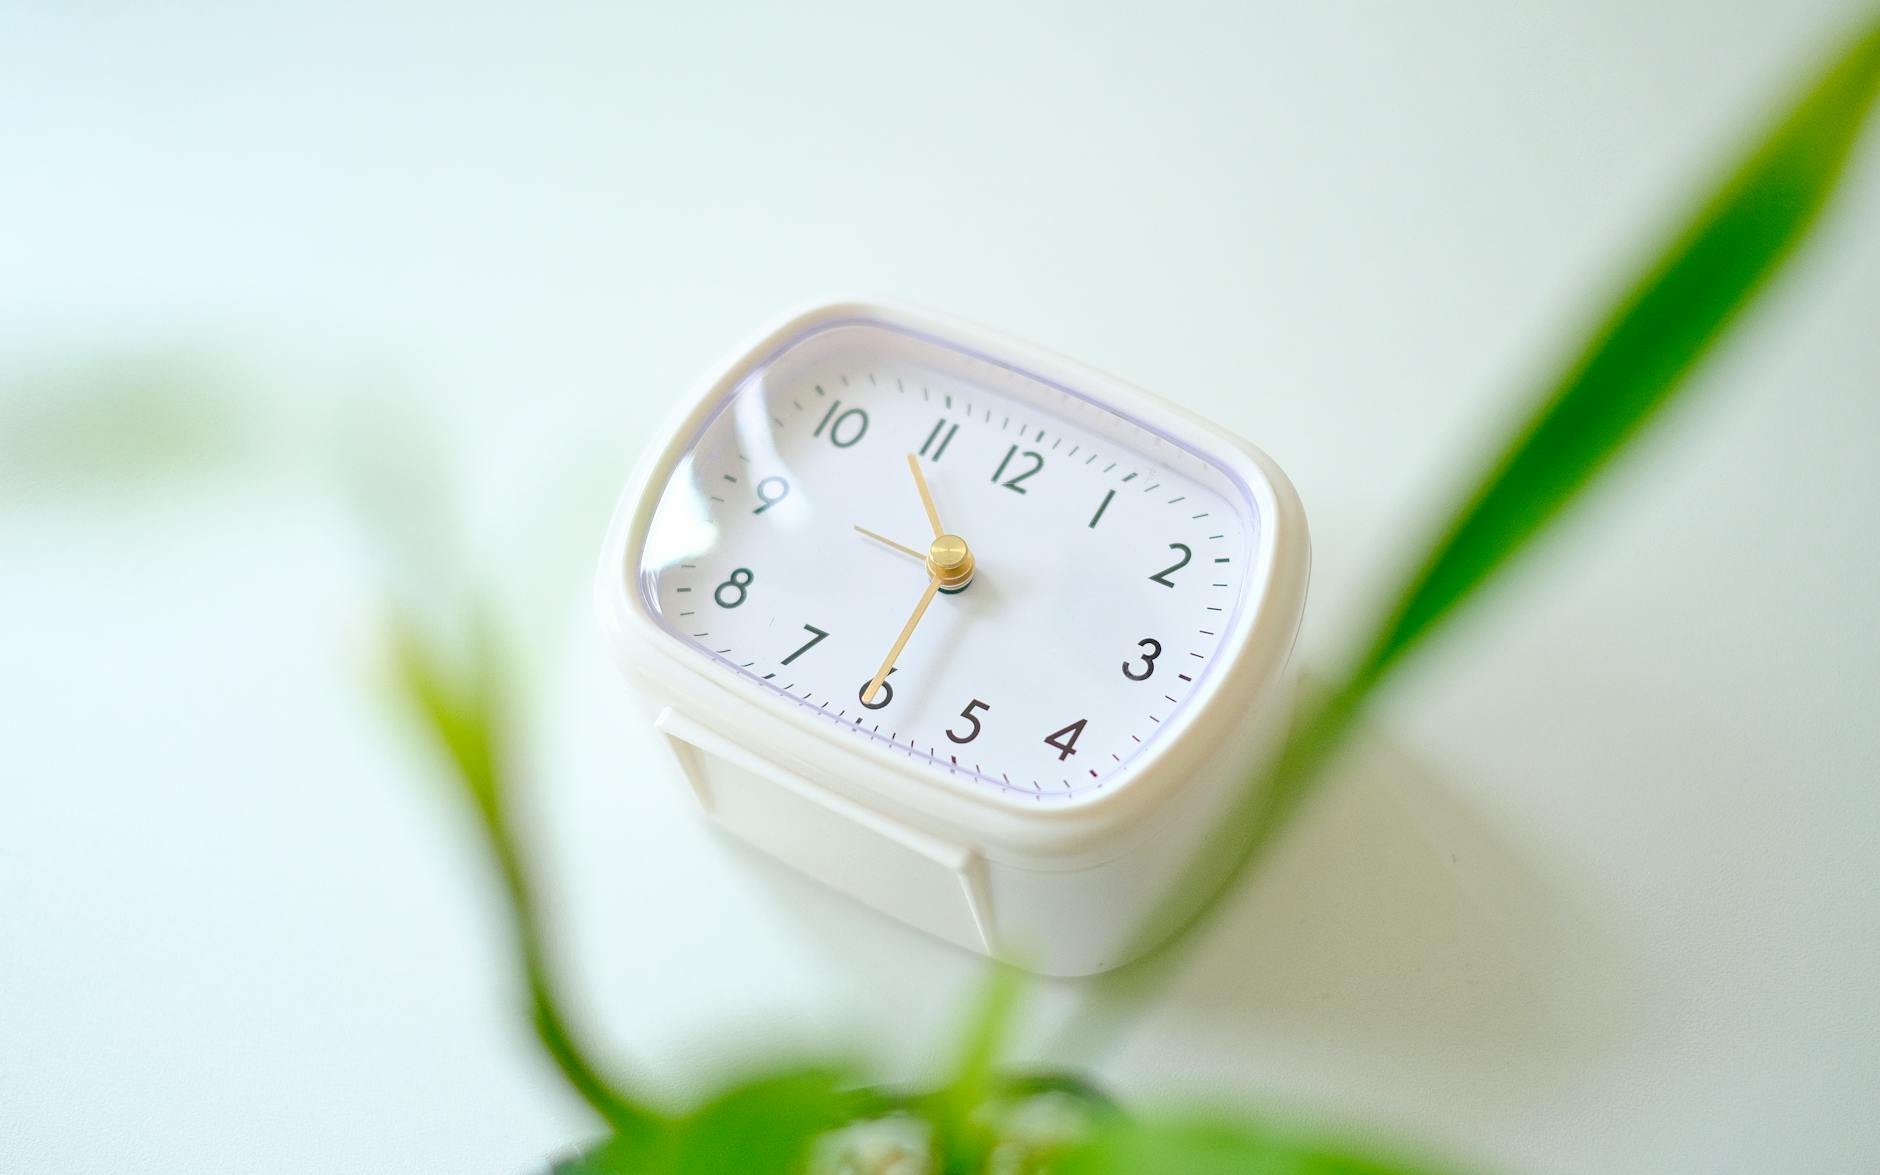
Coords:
pixel 1626 373
pixel 452 674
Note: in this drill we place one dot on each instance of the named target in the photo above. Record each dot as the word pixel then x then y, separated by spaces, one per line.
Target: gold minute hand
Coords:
pixel 900 642
pixel 926 498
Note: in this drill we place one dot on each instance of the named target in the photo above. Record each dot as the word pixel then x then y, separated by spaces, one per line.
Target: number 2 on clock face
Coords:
pixel 792 545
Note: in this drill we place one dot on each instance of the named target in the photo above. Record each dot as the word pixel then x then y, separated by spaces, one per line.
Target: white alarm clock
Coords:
pixel 972 633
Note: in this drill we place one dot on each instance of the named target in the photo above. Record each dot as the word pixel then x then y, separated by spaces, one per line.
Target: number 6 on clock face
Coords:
pixel 869 494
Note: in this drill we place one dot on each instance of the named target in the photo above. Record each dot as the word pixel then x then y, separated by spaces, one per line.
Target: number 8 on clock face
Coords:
pixel 894 581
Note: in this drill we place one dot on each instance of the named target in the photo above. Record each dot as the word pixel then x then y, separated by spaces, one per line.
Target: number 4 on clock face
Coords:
pixel 1066 740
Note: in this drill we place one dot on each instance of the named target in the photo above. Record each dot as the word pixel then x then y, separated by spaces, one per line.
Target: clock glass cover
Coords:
pixel 1109 562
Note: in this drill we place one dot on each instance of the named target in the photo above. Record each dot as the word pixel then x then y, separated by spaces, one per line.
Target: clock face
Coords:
pixel 1108 562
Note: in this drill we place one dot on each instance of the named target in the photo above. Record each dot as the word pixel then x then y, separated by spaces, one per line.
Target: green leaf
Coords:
pixel 767 1125
pixel 983 1034
pixel 982 1038
pixel 1651 340
pixel 120 424
pixel 1217 1146
pixel 459 703
pixel 1622 377
pixel 456 705
pixel 616 1156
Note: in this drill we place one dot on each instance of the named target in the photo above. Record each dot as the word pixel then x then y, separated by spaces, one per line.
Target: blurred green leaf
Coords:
pixel 616 1156
pixel 1216 1146
pixel 121 422
pixel 1625 373
pixel 767 1125
pixel 982 1037
pixel 1637 360
pixel 1631 367
pixel 985 1029
pixel 459 702
pixel 457 705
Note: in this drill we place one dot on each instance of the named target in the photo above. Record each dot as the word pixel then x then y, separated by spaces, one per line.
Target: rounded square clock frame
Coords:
pixel 1067 882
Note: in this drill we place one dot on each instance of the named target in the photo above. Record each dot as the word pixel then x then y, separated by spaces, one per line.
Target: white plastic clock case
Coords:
pixel 1071 888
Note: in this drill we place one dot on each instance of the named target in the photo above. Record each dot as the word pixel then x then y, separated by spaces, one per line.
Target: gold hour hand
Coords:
pixel 889 543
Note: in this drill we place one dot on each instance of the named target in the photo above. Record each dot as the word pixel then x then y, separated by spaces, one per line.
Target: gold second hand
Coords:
pixel 900 642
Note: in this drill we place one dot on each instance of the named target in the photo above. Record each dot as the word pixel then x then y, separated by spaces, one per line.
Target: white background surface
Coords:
pixel 1597 895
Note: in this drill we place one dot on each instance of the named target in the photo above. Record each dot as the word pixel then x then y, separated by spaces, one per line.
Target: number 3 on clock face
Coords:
pixel 945 583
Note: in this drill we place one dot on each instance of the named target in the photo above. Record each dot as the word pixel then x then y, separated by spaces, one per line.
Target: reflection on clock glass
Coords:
pixel 1107 561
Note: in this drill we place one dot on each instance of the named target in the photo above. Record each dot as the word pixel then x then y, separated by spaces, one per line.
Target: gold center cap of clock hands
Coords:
pixel 950 561
pixel 949 565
